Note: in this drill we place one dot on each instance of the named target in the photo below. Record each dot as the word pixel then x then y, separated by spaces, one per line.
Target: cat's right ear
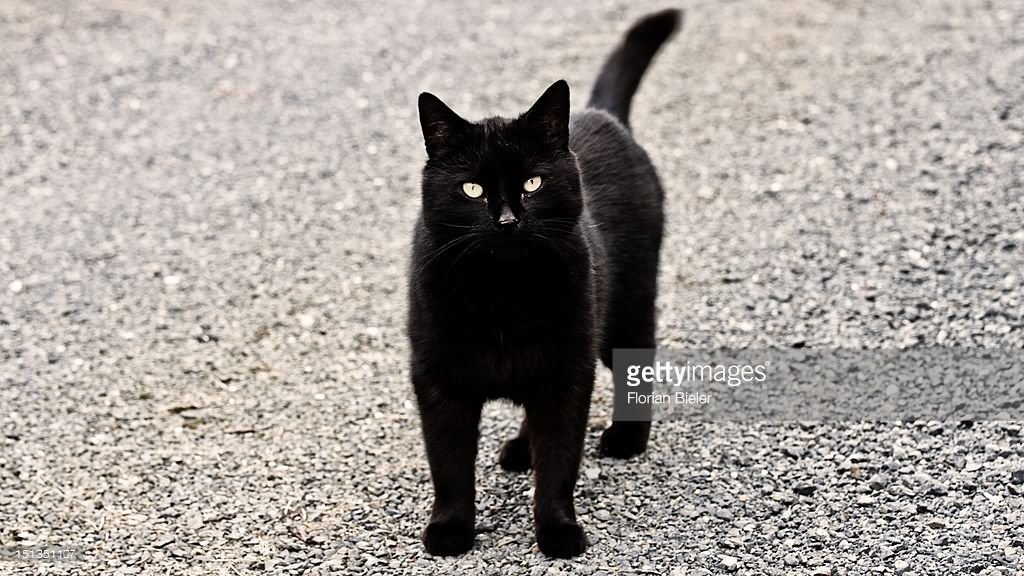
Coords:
pixel 441 126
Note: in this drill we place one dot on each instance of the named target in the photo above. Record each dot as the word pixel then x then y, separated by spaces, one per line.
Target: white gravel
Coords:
pixel 205 224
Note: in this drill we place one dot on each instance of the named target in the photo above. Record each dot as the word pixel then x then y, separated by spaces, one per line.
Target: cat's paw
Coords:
pixel 515 455
pixel 624 439
pixel 447 538
pixel 561 540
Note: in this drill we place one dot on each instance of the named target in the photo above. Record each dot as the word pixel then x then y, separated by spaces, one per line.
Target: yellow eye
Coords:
pixel 473 190
pixel 532 184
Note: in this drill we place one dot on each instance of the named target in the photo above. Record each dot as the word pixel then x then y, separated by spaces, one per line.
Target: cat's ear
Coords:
pixel 549 115
pixel 441 126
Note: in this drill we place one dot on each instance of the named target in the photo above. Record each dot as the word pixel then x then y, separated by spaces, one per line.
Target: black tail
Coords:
pixel 621 74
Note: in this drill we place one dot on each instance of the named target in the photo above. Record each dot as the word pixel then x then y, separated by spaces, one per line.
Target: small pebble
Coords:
pixel 730 563
pixel 878 482
pixel 804 489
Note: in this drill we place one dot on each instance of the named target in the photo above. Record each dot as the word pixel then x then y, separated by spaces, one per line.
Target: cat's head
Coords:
pixel 500 179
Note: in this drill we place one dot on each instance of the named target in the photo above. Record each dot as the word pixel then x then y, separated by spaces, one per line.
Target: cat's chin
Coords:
pixel 515 250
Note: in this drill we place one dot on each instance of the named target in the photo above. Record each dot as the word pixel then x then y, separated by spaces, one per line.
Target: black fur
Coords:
pixel 625 67
pixel 516 295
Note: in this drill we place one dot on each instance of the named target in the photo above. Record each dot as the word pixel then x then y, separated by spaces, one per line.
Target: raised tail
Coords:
pixel 621 74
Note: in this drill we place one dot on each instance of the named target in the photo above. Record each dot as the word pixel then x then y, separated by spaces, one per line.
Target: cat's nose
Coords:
pixel 507 221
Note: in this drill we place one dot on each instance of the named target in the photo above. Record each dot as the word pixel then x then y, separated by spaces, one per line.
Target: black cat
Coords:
pixel 536 252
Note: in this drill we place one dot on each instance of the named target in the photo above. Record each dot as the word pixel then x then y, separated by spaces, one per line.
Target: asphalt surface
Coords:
pixel 206 215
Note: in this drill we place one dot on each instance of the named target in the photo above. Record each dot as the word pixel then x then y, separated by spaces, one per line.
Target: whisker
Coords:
pixel 552 244
pixel 445 248
pixel 465 251
pixel 460 226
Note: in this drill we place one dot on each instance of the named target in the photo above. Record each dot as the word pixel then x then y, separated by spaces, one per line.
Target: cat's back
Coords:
pixel 595 133
pixel 622 193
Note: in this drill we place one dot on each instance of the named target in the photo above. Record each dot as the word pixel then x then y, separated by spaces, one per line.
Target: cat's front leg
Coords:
pixel 450 431
pixel 557 427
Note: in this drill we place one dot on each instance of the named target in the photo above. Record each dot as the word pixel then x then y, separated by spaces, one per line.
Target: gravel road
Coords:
pixel 206 214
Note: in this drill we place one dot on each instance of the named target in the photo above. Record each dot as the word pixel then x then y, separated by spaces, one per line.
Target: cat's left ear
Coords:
pixel 442 127
pixel 549 115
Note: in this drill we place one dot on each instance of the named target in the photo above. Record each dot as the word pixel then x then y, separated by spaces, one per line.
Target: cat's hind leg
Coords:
pixel 515 452
pixel 630 323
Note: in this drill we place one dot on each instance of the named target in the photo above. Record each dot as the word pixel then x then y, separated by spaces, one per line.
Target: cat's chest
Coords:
pixel 500 367
pixel 510 335
pixel 515 305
